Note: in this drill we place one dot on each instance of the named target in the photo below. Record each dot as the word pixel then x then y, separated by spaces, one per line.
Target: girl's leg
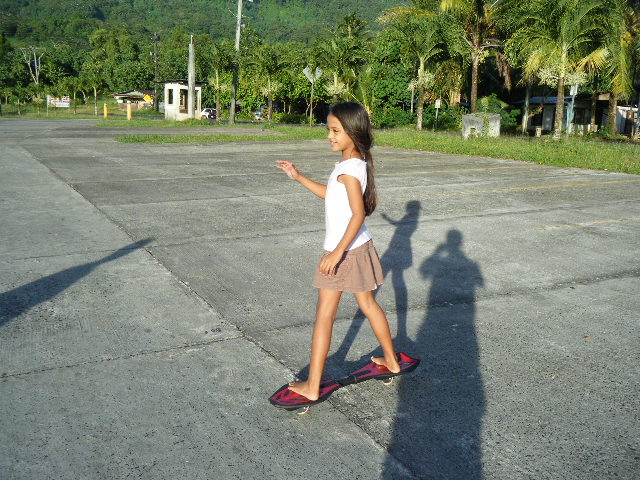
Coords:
pixel 328 301
pixel 380 325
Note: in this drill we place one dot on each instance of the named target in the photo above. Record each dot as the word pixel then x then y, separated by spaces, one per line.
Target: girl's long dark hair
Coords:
pixel 355 121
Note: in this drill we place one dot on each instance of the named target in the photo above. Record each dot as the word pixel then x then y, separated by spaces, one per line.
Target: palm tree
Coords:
pixel 351 26
pixel 221 61
pixel 623 23
pixel 513 16
pixel 268 64
pixel 559 41
pixel 478 20
pixel 636 73
pixel 422 42
pixel 448 81
pixel 343 54
pixel 92 77
pixel 473 22
pixel 364 91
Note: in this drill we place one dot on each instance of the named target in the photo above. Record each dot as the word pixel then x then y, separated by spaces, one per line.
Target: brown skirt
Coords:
pixel 358 271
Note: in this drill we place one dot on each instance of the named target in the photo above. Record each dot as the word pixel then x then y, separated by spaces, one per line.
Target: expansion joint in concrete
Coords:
pixel 119 357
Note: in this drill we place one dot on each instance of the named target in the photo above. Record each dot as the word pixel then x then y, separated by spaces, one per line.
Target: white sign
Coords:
pixel 312 77
pixel 574 90
pixel 437 103
pixel 63 102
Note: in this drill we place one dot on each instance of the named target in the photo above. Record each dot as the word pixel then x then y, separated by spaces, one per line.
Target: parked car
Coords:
pixel 260 113
pixel 207 113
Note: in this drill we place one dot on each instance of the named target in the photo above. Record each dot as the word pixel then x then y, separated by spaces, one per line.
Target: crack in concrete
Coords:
pixel 480 298
pixel 119 357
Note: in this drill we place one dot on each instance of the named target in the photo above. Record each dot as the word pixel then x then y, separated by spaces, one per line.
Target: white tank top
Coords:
pixel 337 211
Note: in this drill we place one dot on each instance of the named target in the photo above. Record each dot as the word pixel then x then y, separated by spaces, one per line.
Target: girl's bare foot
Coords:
pixel 304 389
pixel 391 364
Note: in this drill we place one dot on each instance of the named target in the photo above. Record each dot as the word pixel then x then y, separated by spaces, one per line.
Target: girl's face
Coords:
pixel 339 140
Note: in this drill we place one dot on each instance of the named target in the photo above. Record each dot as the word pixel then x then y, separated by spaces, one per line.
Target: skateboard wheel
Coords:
pixel 387 381
pixel 303 410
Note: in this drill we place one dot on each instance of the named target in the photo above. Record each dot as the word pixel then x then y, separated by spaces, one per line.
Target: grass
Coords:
pixel 568 152
pixel 76 110
pixel 282 133
pixel 66 115
pixel 150 122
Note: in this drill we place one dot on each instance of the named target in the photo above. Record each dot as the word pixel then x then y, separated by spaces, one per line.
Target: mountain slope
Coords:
pixel 275 20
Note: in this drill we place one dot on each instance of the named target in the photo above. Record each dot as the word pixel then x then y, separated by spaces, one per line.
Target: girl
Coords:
pixel 350 263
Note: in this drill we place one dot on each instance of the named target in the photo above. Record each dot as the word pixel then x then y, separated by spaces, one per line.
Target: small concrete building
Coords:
pixel 176 93
pixel 480 125
pixel 543 111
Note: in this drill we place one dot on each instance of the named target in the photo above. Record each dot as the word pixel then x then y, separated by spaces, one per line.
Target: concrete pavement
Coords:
pixel 153 296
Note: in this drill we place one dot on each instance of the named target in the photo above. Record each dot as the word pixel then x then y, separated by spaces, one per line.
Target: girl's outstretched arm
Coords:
pixel 356 203
pixel 290 169
pixel 390 220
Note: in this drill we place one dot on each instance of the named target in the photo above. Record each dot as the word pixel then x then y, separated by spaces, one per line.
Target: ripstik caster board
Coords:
pixel 291 401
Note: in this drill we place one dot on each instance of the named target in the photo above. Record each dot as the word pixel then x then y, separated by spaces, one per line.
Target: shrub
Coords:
pixel 390 117
pixel 508 116
pixel 449 117
pixel 606 136
pixel 292 118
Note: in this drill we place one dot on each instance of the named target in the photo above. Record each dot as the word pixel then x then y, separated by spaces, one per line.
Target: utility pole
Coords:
pixel 191 82
pixel 236 66
pixel 573 92
pixel 636 128
pixel 155 71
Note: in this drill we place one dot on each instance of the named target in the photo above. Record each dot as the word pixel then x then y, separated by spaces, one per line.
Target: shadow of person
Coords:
pixel 398 258
pixel 395 261
pixel 436 433
pixel 19 300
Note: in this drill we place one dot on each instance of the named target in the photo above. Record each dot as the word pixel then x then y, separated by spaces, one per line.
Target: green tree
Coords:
pixel 173 54
pixel 623 28
pixel 221 62
pixel 5 46
pixel 478 19
pixel 514 16
pixel 421 41
pixel 448 81
pixel 32 57
pixel 21 95
pixel 122 63
pixel 70 86
pixel 267 64
pixel 636 71
pixel 295 89
pixel 558 41
pixel 92 77
pixel 343 53
pixel 6 77
pixel 390 71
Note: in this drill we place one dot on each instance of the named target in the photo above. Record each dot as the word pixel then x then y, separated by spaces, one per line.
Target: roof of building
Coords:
pixel 182 81
pixel 133 94
pixel 545 100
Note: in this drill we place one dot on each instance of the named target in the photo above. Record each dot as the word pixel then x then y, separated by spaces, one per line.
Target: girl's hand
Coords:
pixel 329 263
pixel 288 168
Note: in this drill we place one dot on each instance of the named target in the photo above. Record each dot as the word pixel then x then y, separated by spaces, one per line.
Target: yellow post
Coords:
pixel 128 111
pixel 106 111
